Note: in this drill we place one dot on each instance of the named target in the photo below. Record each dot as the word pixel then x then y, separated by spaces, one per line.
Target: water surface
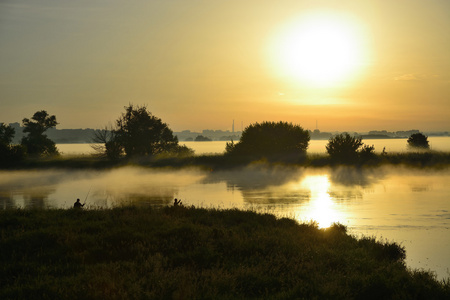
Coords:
pixel 409 206
pixel 315 146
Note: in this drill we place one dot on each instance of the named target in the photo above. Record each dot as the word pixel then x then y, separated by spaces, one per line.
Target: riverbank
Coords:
pixel 190 253
pixel 424 159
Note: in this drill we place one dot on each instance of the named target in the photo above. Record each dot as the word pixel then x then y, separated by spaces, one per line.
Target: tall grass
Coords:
pixel 190 253
pixel 430 159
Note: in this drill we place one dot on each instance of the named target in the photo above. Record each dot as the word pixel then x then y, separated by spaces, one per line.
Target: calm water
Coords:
pixel 409 206
pixel 315 146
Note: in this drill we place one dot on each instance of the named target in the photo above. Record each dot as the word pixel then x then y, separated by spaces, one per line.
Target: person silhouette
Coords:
pixel 78 204
pixel 177 202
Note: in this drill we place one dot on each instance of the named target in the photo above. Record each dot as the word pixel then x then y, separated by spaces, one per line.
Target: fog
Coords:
pixel 60 188
pixel 406 205
pixel 257 183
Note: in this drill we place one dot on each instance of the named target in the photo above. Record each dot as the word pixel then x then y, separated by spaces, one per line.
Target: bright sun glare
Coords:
pixel 319 50
pixel 321 207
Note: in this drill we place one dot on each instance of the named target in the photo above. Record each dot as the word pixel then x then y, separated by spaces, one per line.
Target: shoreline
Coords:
pixel 421 159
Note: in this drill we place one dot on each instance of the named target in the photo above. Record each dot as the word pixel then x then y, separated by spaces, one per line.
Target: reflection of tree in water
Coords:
pixel 417 187
pixel 159 197
pixel 346 195
pixel 262 184
pixel 6 199
pixel 34 187
pixel 37 197
pixel 350 183
pixel 350 176
pixel 256 176
pixel 277 197
pixel 148 200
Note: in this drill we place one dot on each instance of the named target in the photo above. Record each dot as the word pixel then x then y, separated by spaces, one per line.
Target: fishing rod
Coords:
pixel 87 195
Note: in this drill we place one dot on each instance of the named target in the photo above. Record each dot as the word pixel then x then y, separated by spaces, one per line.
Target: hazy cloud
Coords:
pixel 415 77
pixel 406 77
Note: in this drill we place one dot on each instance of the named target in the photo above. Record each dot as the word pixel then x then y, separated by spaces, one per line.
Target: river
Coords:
pixel 408 206
pixel 315 146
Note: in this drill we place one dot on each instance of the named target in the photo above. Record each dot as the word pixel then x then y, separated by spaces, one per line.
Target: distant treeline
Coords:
pixel 59 136
pixel 66 136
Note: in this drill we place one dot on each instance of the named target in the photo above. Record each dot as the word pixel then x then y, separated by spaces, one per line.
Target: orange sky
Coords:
pixel 201 64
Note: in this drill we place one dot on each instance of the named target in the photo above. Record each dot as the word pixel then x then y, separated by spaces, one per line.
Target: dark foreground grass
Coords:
pixel 189 253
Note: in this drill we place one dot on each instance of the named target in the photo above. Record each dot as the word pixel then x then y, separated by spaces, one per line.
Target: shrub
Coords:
pixel 344 148
pixel 367 153
pixel 418 141
pixel 271 140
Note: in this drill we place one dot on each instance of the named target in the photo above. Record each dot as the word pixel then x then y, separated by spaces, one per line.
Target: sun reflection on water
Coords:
pixel 321 207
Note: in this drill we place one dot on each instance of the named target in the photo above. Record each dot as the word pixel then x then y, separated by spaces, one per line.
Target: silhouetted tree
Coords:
pixel 367 153
pixel 279 141
pixel 343 148
pixel 106 143
pixel 140 133
pixel 418 141
pixel 6 134
pixel 9 154
pixel 229 146
pixel 201 138
pixel 182 150
pixel 37 143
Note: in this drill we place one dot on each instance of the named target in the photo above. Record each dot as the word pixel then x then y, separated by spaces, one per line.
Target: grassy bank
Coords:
pixel 428 159
pixel 188 253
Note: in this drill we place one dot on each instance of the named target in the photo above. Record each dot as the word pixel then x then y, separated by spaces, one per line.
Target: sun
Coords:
pixel 319 50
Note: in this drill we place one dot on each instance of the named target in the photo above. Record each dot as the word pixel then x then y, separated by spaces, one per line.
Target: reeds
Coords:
pixel 431 159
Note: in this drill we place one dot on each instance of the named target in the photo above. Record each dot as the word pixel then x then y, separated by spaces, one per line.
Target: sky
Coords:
pixel 347 65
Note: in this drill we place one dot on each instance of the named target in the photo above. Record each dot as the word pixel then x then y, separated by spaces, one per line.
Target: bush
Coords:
pixel 271 140
pixel 367 153
pixel 418 141
pixel 182 151
pixel 344 148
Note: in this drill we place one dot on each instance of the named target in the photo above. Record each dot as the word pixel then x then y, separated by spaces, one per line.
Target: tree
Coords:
pixel 140 133
pixel 367 153
pixel 344 148
pixel 9 153
pixel 279 141
pixel 106 143
pixel 6 134
pixel 37 143
pixel 201 138
pixel 418 141
pixel 182 151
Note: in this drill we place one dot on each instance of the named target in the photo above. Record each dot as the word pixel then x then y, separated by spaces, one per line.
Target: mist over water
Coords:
pixel 100 189
pixel 409 206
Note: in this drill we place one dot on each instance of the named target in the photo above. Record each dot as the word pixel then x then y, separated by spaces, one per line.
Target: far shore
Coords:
pixel 421 159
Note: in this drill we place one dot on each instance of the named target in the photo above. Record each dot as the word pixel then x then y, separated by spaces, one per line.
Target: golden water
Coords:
pixel 409 206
